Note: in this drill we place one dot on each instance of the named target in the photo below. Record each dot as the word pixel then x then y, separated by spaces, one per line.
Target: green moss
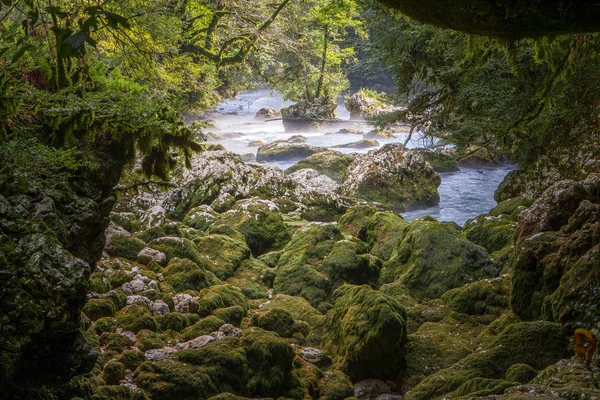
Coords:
pixel 330 163
pixel 98 308
pixel 348 263
pixel 483 387
pixel 148 340
pixel 135 318
pixel 521 373
pixel 254 278
pixel 227 396
pixel 367 330
pixel 537 343
pixel 488 296
pixel 151 234
pixel 271 258
pixel 355 221
pixel 184 275
pixel 173 321
pixel 433 258
pixel 114 393
pixel 119 278
pixel 336 386
pixel 125 246
pixel 177 247
pixel 118 297
pixel 433 347
pixel 126 220
pixel 115 342
pixel 384 231
pixel 493 233
pixel 99 283
pixel 132 359
pixel 201 217
pixel 511 207
pixel 222 255
pixel 281 322
pixel 220 296
pixel 105 325
pixel 270 364
pixel 113 372
pixel 203 327
pixel 260 223
pixel 297 270
pixel 231 315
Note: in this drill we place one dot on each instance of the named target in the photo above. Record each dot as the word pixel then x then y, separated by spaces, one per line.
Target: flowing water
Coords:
pixel 463 194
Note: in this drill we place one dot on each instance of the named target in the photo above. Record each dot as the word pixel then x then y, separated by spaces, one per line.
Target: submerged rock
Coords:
pixel 393 176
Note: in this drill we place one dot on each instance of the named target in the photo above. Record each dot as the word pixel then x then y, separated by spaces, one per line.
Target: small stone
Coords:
pixel 129 335
pixel 218 335
pixel 138 299
pixel 159 307
pixel 146 255
pixel 230 330
pixel 133 287
pixel 153 285
pixel 314 356
pixel 159 354
pixel 370 389
pixel 197 343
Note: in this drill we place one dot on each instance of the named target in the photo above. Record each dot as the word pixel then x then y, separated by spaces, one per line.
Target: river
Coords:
pixel 464 194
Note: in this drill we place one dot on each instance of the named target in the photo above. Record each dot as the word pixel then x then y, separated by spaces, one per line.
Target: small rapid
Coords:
pixel 464 194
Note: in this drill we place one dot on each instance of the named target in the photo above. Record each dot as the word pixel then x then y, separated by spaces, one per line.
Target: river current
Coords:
pixel 464 194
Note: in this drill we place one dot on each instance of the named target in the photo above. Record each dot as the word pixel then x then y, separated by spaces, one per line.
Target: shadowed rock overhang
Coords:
pixel 505 19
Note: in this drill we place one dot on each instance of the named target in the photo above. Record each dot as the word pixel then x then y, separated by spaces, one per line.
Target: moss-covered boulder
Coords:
pixel 254 278
pixel 329 163
pixel 259 364
pixel 120 243
pixel 184 275
pixel 136 317
pixel 126 220
pixel 493 233
pixel 393 176
pixel 113 372
pixel 222 254
pixel 487 296
pixel 511 207
pixel 349 262
pixel 433 257
pixel 220 296
pixel 200 217
pixel 355 221
pixel 99 308
pixel 260 222
pixel 281 322
pixel 366 330
pixel 205 326
pixel 297 269
pixel 537 344
pixel 176 247
pixel 384 231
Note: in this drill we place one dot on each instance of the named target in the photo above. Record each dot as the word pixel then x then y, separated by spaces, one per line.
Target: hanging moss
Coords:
pixel 367 330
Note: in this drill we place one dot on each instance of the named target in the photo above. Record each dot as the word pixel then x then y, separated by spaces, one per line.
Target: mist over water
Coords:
pixel 464 194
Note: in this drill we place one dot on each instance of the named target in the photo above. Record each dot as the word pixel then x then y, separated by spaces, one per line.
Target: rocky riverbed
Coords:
pixel 243 281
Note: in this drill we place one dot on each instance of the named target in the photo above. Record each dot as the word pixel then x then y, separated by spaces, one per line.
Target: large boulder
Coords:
pixel 260 222
pixel 393 176
pixel 537 344
pixel 367 330
pixel 361 144
pixel 282 150
pixel 307 114
pixel 557 253
pixel 439 161
pixel 330 163
pixel 433 257
pixel 363 105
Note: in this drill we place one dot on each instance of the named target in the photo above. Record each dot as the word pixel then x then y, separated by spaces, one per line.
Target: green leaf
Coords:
pixel 20 52
pixel 114 20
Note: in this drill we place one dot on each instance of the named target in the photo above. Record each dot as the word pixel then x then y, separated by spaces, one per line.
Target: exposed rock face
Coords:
pixel 439 161
pixel 306 114
pixel 557 250
pixel 282 150
pixel 393 176
pixel 362 106
pixel 330 163
pixel 313 180
pixel 49 243
pixel 489 18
